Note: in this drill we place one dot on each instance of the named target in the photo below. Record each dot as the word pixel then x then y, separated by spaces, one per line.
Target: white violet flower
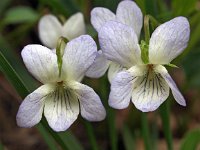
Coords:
pixel 127 13
pixel 147 85
pixel 50 28
pixel 61 97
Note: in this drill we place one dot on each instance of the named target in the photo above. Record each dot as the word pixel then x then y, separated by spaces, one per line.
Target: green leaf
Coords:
pixel 3 5
pixel 172 65
pixel 20 14
pixel 128 139
pixel 165 116
pixel 191 140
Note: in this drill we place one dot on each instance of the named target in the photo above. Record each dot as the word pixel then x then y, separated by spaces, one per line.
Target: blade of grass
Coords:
pixel 110 114
pixel 22 90
pixel 165 116
pixel 145 131
pixel 1 146
pixel 191 140
pixel 91 135
pixel 128 139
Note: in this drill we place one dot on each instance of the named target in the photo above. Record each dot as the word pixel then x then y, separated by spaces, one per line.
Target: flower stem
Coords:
pixel 146 29
pixel 145 132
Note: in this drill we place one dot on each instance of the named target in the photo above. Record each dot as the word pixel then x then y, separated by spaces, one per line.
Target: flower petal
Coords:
pixel 79 55
pixel 99 16
pixel 41 63
pixel 31 109
pixel 121 90
pixel 150 90
pixel 74 27
pixel 169 40
pixel 175 91
pixel 91 106
pixel 119 43
pixel 50 29
pixel 114 68
pixel 130 14
pixel 99 67
pixel 61 109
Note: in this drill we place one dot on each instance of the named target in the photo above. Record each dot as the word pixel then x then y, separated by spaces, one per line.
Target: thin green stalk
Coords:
pixel 146 29
pixel 110 114
pixel 145 132
pixel 165 115
pixel 91 135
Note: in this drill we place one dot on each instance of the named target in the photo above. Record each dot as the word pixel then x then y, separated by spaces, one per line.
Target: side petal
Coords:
pixel 150 89
pixel 114 68
pixel 41 63
pixel 50 29
pixel 175 91
pixel 61 109
pixel 91 106
pixel 79 55
pixel 74 27
pixel 119 43
pixel 99 16
pixel 121 90
pixel 169 40
pixel 31 109
pixel 99 67
pixel 130 14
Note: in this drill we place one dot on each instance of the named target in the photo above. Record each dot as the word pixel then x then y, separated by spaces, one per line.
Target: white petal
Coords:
pixel 121 90
pixel 169 40
pixel 119 43
pixel 61 109
pixel 130 14
pixel 31 109
pixel 91 106
pixel 99 16
pixel 99 67
pixel 114 68
pixel 74 27
pixel 41 63
pixel 50 29
pixel 175 91
pixel 79 56
pixel 150 90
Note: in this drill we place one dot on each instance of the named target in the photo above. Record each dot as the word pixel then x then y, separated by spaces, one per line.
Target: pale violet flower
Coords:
pixel 50 28
pixel 147 85
pixel 60 97
pixel 127 13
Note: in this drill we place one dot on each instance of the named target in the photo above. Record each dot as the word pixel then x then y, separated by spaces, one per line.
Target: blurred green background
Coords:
pixel 170 127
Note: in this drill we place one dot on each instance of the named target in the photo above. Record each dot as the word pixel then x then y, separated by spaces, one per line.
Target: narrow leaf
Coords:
pixel 128 139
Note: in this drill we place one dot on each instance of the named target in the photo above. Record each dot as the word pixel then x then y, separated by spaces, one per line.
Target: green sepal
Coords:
pixel 144 52
pixel 62 41
pixel 172 65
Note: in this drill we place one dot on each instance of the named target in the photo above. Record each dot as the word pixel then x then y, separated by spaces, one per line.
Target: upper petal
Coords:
pixel 79 55
pixel 61 109
pixel 175 91
pixel 169 40
pixel 74 26
pixel 130 14
pixel 121 90
pixel 119 43
pixel 150 89
pixel 41 63
pixel 99 67
pixel 31 109
pixel 99 16
pixel 91 106
pixel 50 29
pixel 114 68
